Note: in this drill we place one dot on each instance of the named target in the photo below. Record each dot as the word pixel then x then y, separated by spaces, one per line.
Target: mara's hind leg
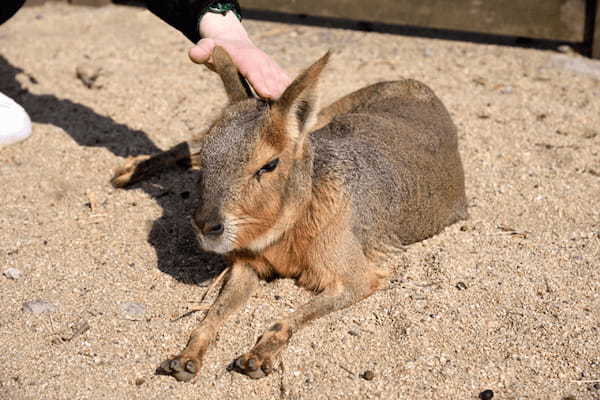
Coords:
pixel 258 362
pixel 143 167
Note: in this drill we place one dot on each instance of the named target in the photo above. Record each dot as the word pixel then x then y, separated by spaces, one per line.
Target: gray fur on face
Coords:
pixel 226 151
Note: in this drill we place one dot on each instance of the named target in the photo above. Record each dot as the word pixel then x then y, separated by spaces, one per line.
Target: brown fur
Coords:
pixel 326 198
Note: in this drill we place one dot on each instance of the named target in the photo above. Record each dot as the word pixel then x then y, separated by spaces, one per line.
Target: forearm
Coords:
pixel 182 14
pixel 224 27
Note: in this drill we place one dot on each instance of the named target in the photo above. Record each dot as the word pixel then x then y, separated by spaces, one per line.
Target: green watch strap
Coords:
pixel 222 7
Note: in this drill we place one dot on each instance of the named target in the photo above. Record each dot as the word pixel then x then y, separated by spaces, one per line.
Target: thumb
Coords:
pixel 201 53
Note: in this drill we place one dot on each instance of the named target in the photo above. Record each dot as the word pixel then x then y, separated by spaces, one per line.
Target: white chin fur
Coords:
pixel 265 240
pixel 220 246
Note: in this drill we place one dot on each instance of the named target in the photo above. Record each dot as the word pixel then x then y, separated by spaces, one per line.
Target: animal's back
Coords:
pixel 396 152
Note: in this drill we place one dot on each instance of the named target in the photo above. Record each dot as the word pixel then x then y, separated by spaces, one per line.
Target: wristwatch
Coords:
pixel 222 7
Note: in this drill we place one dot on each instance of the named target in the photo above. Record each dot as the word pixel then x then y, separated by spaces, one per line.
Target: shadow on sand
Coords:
pixel 171 235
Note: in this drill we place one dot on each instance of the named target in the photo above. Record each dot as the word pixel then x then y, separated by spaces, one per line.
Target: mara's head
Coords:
pixel 255 162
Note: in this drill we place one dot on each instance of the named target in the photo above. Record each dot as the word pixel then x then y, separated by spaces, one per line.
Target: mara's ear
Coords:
pixel 298 106
pixel 236 87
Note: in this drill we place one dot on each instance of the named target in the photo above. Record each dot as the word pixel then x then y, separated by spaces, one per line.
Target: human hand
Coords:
pixel 266 77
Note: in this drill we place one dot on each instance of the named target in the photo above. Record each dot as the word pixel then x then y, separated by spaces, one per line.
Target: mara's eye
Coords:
pixel 268 167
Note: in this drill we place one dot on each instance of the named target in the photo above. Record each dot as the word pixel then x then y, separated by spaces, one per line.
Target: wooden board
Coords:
pixel 91 3
pixel 559 20
pixel 542 19
pixel 596 37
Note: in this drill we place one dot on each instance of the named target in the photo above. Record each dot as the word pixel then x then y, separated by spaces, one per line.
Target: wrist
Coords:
pixel 224 27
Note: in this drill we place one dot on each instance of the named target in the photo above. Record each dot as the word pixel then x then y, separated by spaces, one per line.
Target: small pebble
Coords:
pixel 38 306
pixel 506 89
pixel 368 375
pixel 88 75
pixel 56 340
pixel 133 311
pixel 140 381
pixel 12 273
pixel 427 52
pixel 596 386
pixel 461 286
pixel 353 333
pixel 467 227
pixel 589 134
pixel 486 395
pixel 565 49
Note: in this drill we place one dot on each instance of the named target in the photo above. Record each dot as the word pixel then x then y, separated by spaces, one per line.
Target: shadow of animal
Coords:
pixel 171 235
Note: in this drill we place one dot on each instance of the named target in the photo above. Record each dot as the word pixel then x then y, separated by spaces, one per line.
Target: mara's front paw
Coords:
pixel 253 365
pixel 181 368
pixel 129 172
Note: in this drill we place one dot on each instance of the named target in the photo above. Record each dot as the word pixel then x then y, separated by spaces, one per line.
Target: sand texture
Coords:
pixel 508 300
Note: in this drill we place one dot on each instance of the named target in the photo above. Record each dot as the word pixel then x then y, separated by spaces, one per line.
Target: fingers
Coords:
pixel 201 53
pixel 268 79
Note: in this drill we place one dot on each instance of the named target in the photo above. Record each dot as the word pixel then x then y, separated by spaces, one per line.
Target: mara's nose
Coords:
pixel 209 223
pixel 212 228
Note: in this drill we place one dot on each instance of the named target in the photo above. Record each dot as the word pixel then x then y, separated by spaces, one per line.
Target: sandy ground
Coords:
pixel 508 301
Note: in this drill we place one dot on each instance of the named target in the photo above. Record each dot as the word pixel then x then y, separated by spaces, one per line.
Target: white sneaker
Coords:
pixel 15 124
